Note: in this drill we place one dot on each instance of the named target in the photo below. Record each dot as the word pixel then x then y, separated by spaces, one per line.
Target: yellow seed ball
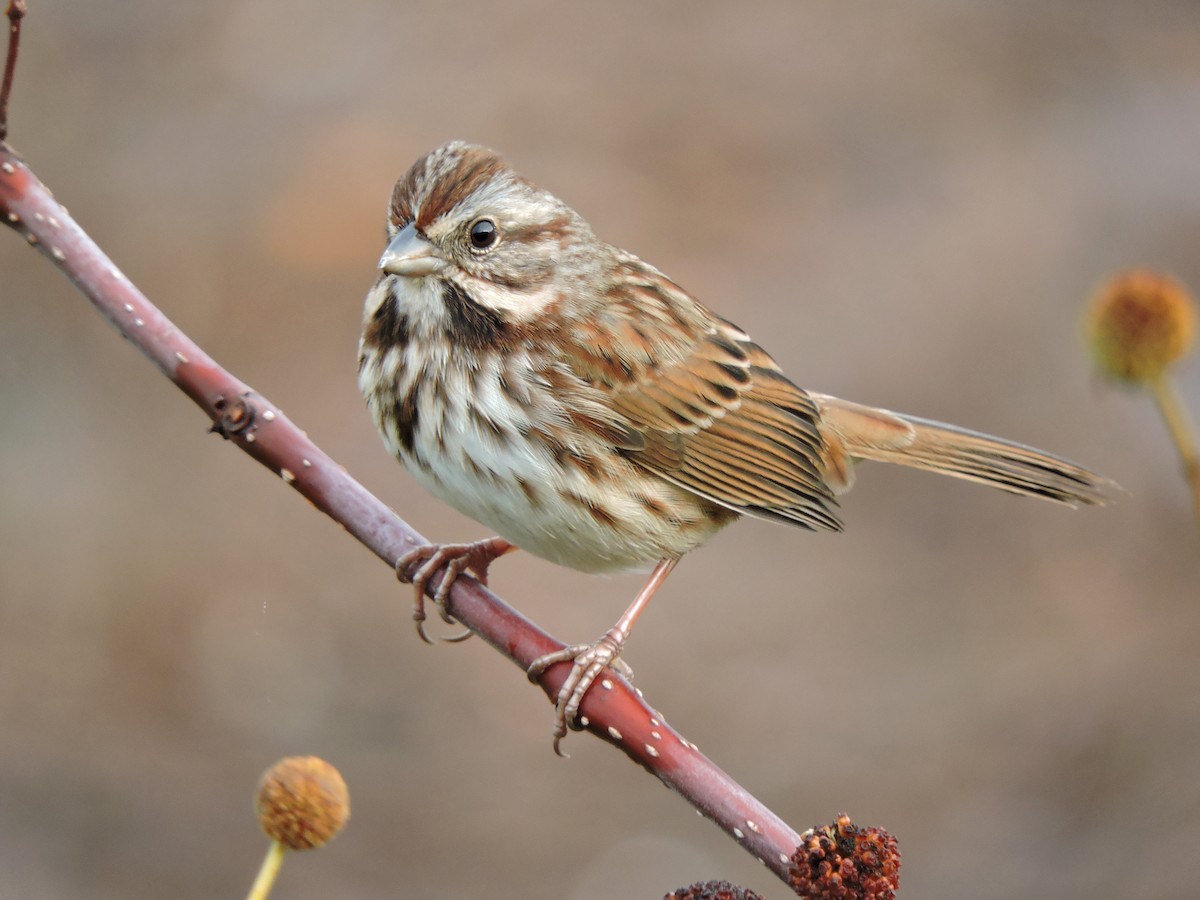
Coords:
pixel 1139 323
pixel 302 802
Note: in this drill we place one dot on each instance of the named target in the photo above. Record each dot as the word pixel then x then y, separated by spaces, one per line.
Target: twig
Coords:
pixel 15 13
pixel 612 711
pixel 268 872
pixel 1183 432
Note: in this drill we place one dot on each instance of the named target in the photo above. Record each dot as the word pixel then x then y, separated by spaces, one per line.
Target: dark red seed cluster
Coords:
pixel 844 862
pixel 712 890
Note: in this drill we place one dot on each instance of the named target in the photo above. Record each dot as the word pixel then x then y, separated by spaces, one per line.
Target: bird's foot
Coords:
pixel 419 565
pixel 587 662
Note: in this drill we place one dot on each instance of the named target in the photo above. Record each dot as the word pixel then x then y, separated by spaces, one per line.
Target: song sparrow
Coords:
pixel 574 399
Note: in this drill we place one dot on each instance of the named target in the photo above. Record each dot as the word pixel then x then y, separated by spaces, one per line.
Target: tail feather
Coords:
pixel 861 432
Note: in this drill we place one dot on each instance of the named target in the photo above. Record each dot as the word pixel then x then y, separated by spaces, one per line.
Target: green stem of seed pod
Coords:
pixel 1182 429
pixel 266 875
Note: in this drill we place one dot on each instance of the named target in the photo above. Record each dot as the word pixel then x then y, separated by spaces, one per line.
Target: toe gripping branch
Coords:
pixel 419 565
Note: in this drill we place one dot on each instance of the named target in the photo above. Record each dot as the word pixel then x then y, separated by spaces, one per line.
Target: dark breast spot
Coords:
pixel 388 327
pixel 404 416
pixel 471 324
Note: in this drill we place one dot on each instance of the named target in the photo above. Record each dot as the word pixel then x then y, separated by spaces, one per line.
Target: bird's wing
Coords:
pixel 706 407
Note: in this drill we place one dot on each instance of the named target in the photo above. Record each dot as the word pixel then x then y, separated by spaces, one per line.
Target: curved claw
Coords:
pixel 587 662
pixel 421 632
pixel 558 751
pixel 420 564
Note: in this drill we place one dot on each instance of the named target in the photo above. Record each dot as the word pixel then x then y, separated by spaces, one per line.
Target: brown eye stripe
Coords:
pixel 558 228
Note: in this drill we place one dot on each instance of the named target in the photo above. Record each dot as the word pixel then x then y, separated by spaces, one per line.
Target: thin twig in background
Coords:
pixel 15 13
pixel 1182 430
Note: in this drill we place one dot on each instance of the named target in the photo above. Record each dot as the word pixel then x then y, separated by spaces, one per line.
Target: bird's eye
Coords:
pixel 484 234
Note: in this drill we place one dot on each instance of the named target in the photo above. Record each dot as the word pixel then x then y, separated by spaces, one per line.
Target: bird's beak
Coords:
pixel 410 255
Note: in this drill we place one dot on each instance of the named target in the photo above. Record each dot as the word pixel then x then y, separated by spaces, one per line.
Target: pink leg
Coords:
pixel 589 660
pixel 420 564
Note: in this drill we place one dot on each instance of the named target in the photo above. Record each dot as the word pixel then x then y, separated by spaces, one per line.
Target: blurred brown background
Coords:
pixel 907 203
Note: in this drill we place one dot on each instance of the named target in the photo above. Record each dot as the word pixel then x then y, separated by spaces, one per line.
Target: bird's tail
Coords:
pixel 854 432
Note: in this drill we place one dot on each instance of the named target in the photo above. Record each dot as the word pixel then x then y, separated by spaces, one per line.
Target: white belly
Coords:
pixel 595 512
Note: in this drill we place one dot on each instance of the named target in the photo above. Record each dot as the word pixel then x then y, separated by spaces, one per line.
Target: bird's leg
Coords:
pixel 589 660
pixel 420 564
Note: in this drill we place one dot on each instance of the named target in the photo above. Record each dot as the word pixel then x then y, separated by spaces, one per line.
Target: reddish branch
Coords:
pixel 612 711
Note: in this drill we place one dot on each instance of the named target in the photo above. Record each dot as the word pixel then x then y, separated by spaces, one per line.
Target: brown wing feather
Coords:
pixel 717 416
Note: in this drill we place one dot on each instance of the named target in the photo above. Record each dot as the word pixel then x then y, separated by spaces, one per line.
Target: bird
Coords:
pixel 589 410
